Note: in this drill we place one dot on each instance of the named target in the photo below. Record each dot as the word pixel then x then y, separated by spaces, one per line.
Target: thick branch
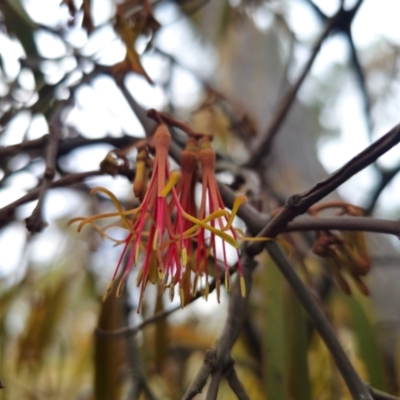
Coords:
pixel 217 360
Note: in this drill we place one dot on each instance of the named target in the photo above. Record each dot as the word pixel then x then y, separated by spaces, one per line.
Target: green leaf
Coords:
pixel 274 337
pixel 367 344
pixel 298 342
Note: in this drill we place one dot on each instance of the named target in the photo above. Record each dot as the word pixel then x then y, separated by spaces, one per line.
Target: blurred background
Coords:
pixel 225 67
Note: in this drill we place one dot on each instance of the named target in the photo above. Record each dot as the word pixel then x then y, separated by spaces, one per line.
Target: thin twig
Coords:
pixel 279 116
pixel 356 386
pixel 133 330
pixel 341 22
pixel 148 124
pixel 7 211
pixel 218 359
pixel 35 222
pixel 386 177
pixel 363 224
pixel 35 147
pixel 8 151
pixel 235 384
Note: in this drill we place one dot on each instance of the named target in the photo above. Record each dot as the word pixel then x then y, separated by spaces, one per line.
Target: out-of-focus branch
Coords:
pixel 345 28
pixel 378 395
pixel 148 124
pixel 263 149
pixel 361 81
pixel 386 177
pixel 10 151
pixel 218 360
pixel 357 387
pixel 235 384
pixel 7 212
pixel 35 222
pixel 65 146
pixel 340 22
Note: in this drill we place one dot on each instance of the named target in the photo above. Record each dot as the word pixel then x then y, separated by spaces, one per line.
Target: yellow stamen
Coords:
pixel 242 286
pixel 116 203
pixel 184 257
pixel 136 256
pixel 202 223
pixel 214 215
pixel 227 281
pixel 283 242
pixel 155 240
pixel 236 204
pixel 121 286
pixel 108 290
pixel 153 270
pixel 172 181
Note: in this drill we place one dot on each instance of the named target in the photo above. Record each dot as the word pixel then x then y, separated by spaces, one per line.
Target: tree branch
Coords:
pixel 35 222
pixel 263 149
pixel 218 359
pixel 7 212
pixel 340 22
pixel 386 177
pixel 235 384
pixel 378 395
pixel 364 224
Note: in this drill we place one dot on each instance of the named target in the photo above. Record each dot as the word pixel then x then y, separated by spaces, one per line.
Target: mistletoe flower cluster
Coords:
pixel 175 238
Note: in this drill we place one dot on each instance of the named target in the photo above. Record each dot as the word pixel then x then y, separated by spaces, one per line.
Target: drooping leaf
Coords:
pixel 46 312
pixel 274 336
pixel 367 343
pixel 298 342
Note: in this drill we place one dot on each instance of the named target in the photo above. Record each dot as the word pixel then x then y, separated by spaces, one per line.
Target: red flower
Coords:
pixel 212 200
